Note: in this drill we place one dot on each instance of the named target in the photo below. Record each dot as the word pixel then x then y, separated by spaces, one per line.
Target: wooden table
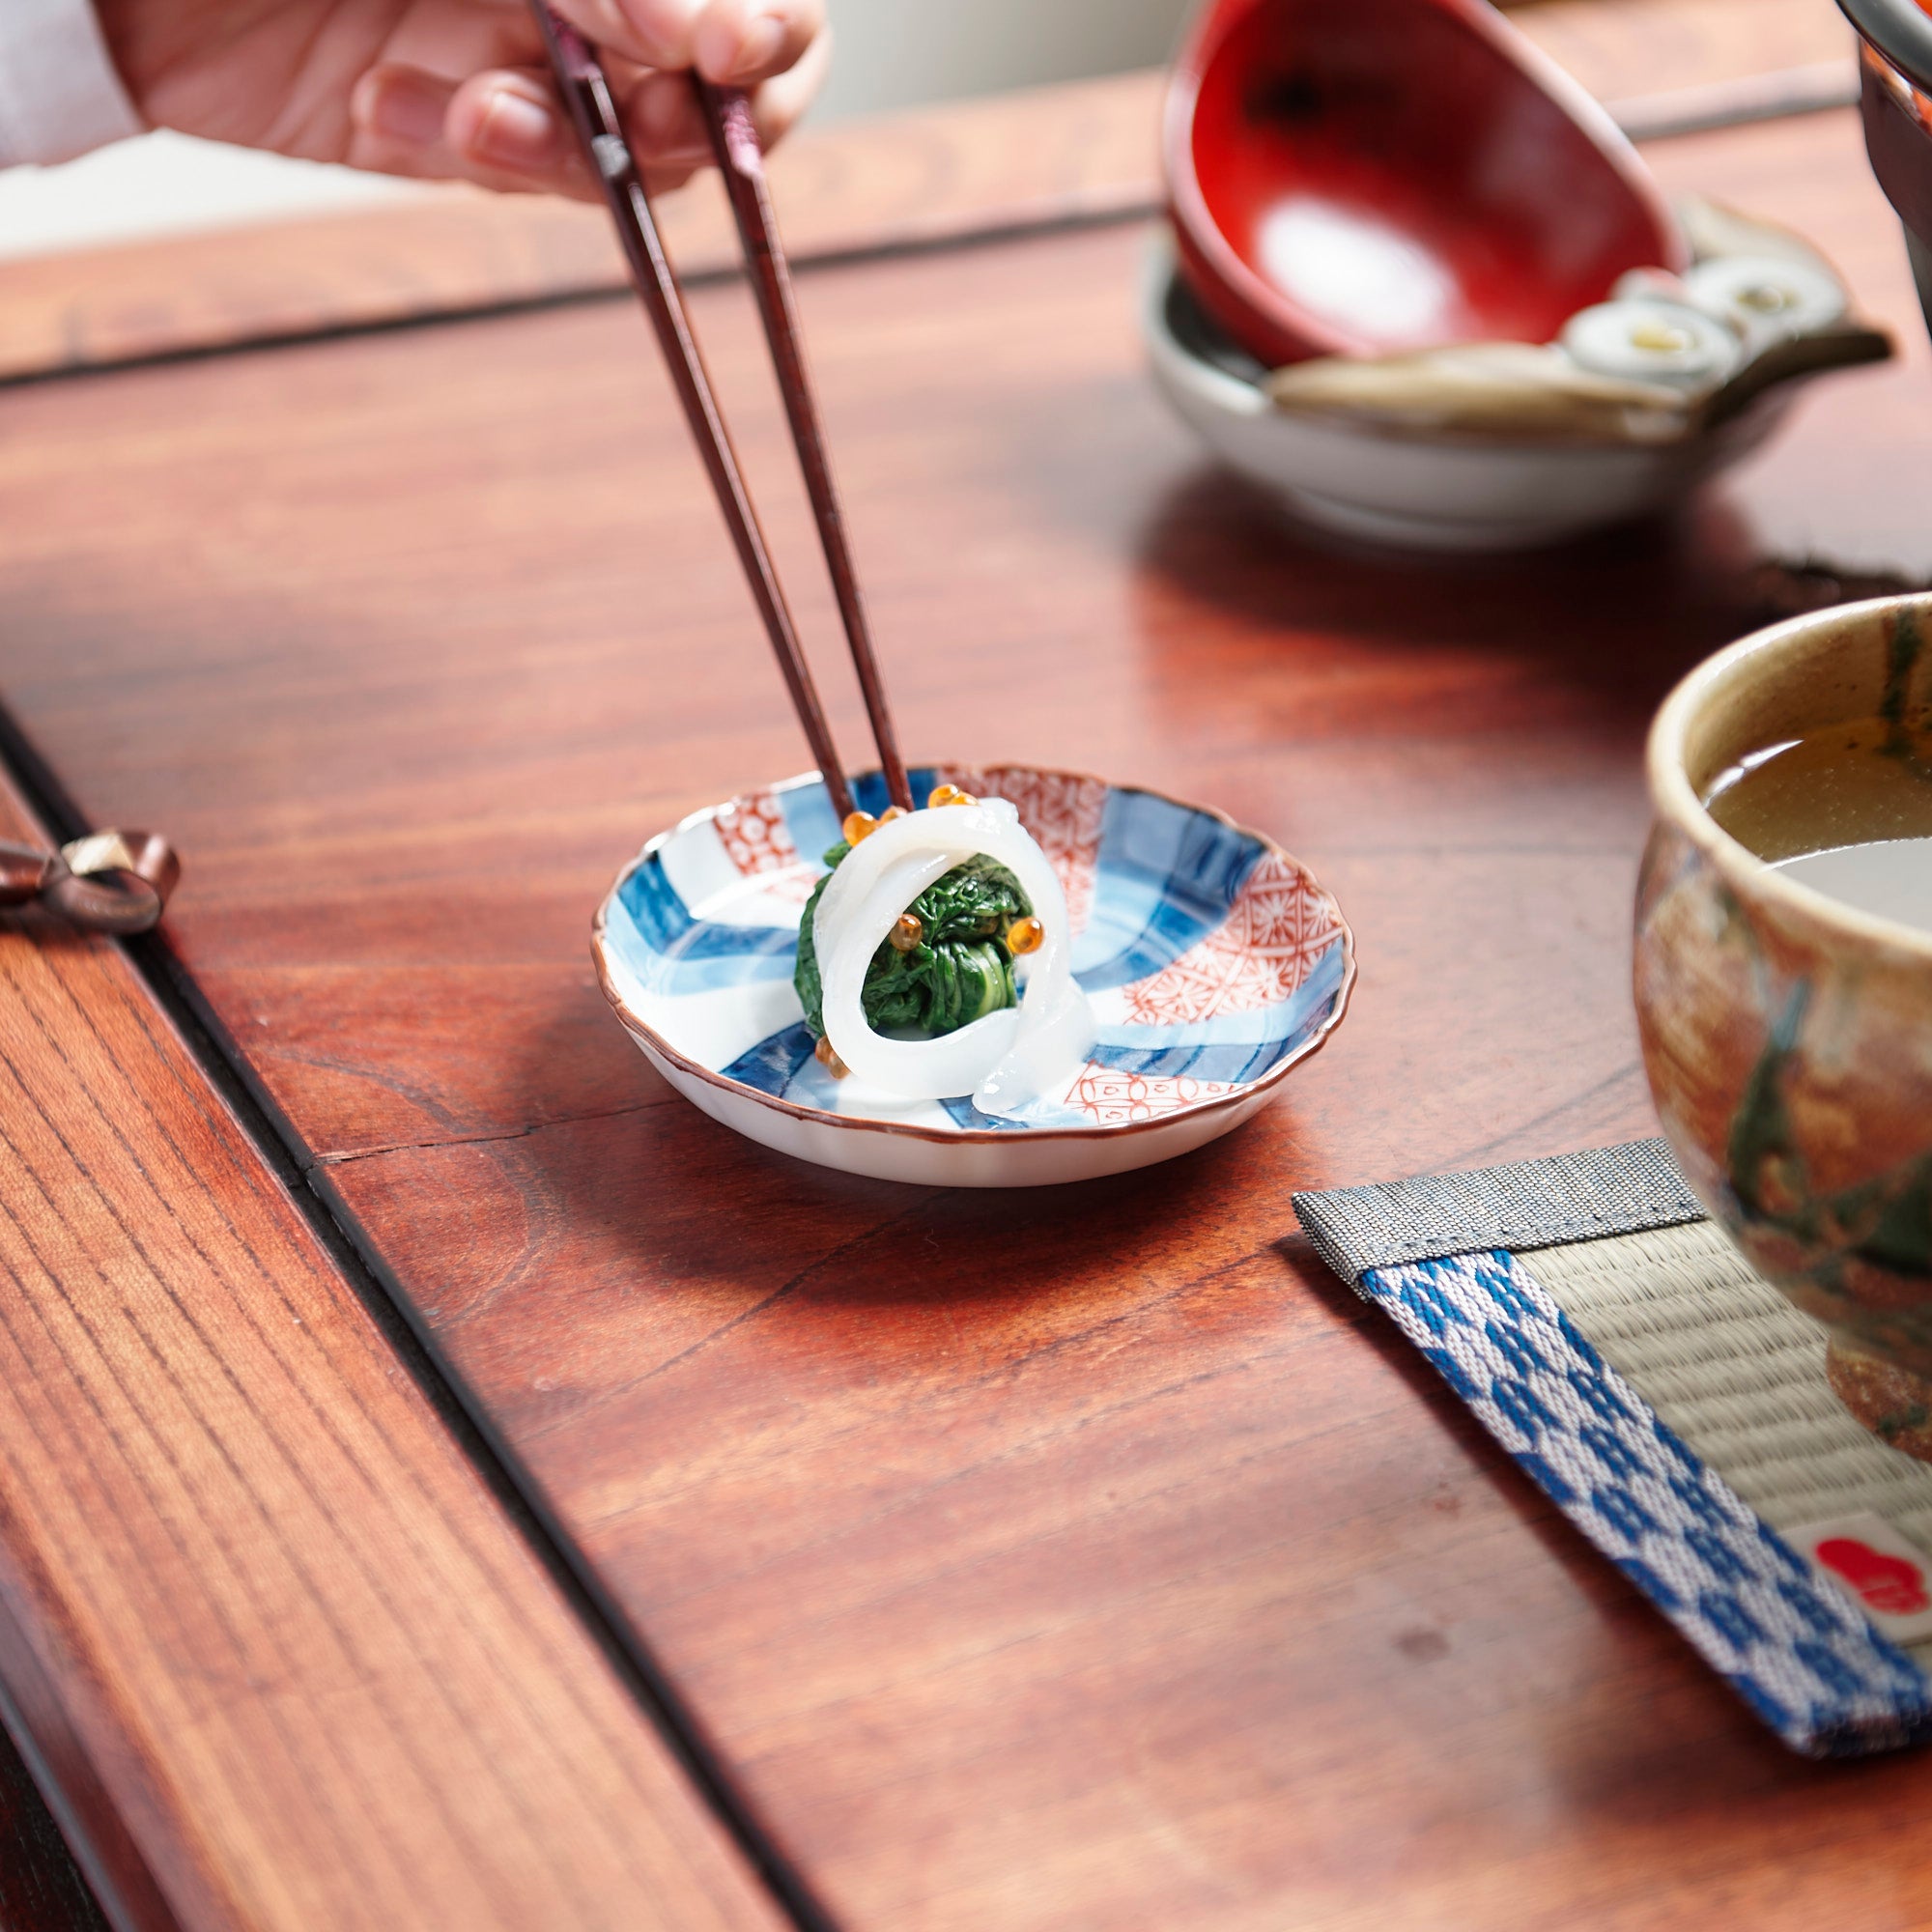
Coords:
pixel 445 1480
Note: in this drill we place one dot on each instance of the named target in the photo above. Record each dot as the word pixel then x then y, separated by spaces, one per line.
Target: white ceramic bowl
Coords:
pixel 1416 489
pixel 1214 963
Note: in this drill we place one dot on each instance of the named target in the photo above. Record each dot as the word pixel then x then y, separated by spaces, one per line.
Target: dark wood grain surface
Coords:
pixel 279 1655
pixel 1080 1559
pixel 41 1887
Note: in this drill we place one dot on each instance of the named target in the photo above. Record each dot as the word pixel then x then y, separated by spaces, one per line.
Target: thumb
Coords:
pixel 738 43
pixel 652 32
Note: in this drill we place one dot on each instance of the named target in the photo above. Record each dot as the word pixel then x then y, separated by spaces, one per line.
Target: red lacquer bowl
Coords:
pixel 1365 176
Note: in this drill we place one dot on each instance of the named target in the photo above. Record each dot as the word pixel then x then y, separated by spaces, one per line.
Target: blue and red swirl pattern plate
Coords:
pixel 1214 962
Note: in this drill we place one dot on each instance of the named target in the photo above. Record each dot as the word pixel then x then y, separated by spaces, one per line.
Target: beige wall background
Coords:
pixel 892 53
pixel 888 53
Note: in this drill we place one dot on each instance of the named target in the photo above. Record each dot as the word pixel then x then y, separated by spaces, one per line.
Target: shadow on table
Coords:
pixel 1622 614
pixel 646 1186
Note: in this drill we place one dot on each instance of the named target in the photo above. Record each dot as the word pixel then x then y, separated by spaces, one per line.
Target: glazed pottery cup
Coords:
pixel 1788 1038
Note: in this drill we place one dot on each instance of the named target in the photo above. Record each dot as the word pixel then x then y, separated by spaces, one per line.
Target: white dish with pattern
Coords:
pixel 1214 963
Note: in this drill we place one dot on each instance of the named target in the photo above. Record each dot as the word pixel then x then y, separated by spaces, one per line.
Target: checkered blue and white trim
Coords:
pixel 1809 1665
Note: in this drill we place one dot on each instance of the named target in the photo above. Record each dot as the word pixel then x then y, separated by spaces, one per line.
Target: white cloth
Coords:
pixel 59 94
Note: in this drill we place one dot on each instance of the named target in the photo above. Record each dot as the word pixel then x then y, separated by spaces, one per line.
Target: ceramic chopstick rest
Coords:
pixel 116 882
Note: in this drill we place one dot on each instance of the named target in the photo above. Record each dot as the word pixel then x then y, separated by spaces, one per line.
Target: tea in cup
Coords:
pixel 1783 978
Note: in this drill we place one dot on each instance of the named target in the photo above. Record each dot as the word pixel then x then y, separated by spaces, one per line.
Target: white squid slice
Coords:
pixel 1003 1061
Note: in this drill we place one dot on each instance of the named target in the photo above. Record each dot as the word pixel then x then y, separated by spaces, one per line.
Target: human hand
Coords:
pixel 457 89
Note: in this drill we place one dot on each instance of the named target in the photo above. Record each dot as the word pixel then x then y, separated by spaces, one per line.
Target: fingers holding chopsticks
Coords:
pixel 734 43
pixel 505 127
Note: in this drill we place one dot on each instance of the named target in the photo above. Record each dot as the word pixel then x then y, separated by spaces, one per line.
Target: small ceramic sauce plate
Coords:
pixel 1214 963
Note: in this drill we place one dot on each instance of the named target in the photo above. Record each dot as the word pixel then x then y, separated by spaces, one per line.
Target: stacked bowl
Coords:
pixel 1419 283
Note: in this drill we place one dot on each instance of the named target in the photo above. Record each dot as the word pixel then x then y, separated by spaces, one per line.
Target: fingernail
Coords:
pixel 515 130
pixel 763 40
pixel 404 107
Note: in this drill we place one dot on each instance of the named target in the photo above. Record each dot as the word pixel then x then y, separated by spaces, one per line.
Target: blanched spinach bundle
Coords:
pixel 958 971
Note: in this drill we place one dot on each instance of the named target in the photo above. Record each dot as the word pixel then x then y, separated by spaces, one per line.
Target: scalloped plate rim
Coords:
pixel 1251 1097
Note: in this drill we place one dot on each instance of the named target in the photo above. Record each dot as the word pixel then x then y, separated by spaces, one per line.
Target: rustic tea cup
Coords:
pixel 1787 1036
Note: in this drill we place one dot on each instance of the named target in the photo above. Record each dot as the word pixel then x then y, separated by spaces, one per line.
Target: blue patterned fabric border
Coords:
pixel 1806 1663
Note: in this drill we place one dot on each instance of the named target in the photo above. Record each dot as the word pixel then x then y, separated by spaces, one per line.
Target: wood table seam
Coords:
pixel 265 1127
pixel 1651 119
pixel 157 1510
pixel 240 1300
pixel 809 262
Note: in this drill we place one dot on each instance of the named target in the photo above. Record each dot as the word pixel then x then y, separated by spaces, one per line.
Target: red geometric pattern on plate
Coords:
pixel 1280 924
pixel 754 833
pixel 1062 813
pixel 1107 1097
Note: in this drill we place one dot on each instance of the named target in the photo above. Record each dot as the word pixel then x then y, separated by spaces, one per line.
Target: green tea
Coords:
pixel 1847 810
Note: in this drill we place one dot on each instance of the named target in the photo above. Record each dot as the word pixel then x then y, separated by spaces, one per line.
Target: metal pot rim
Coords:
pixel 1900 30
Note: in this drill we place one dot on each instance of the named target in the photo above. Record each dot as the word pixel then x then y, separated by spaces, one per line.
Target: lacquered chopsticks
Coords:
pixel 587 96
pixel 741 161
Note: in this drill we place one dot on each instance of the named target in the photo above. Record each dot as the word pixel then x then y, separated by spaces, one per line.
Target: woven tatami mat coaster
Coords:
pixel 1674 1407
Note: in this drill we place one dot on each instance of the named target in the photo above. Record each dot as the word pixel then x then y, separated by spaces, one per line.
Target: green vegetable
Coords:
pixel 959 972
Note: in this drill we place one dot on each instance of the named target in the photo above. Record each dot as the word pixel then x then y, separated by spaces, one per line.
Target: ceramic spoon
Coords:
pixel 1667 361
pixel 1372 177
